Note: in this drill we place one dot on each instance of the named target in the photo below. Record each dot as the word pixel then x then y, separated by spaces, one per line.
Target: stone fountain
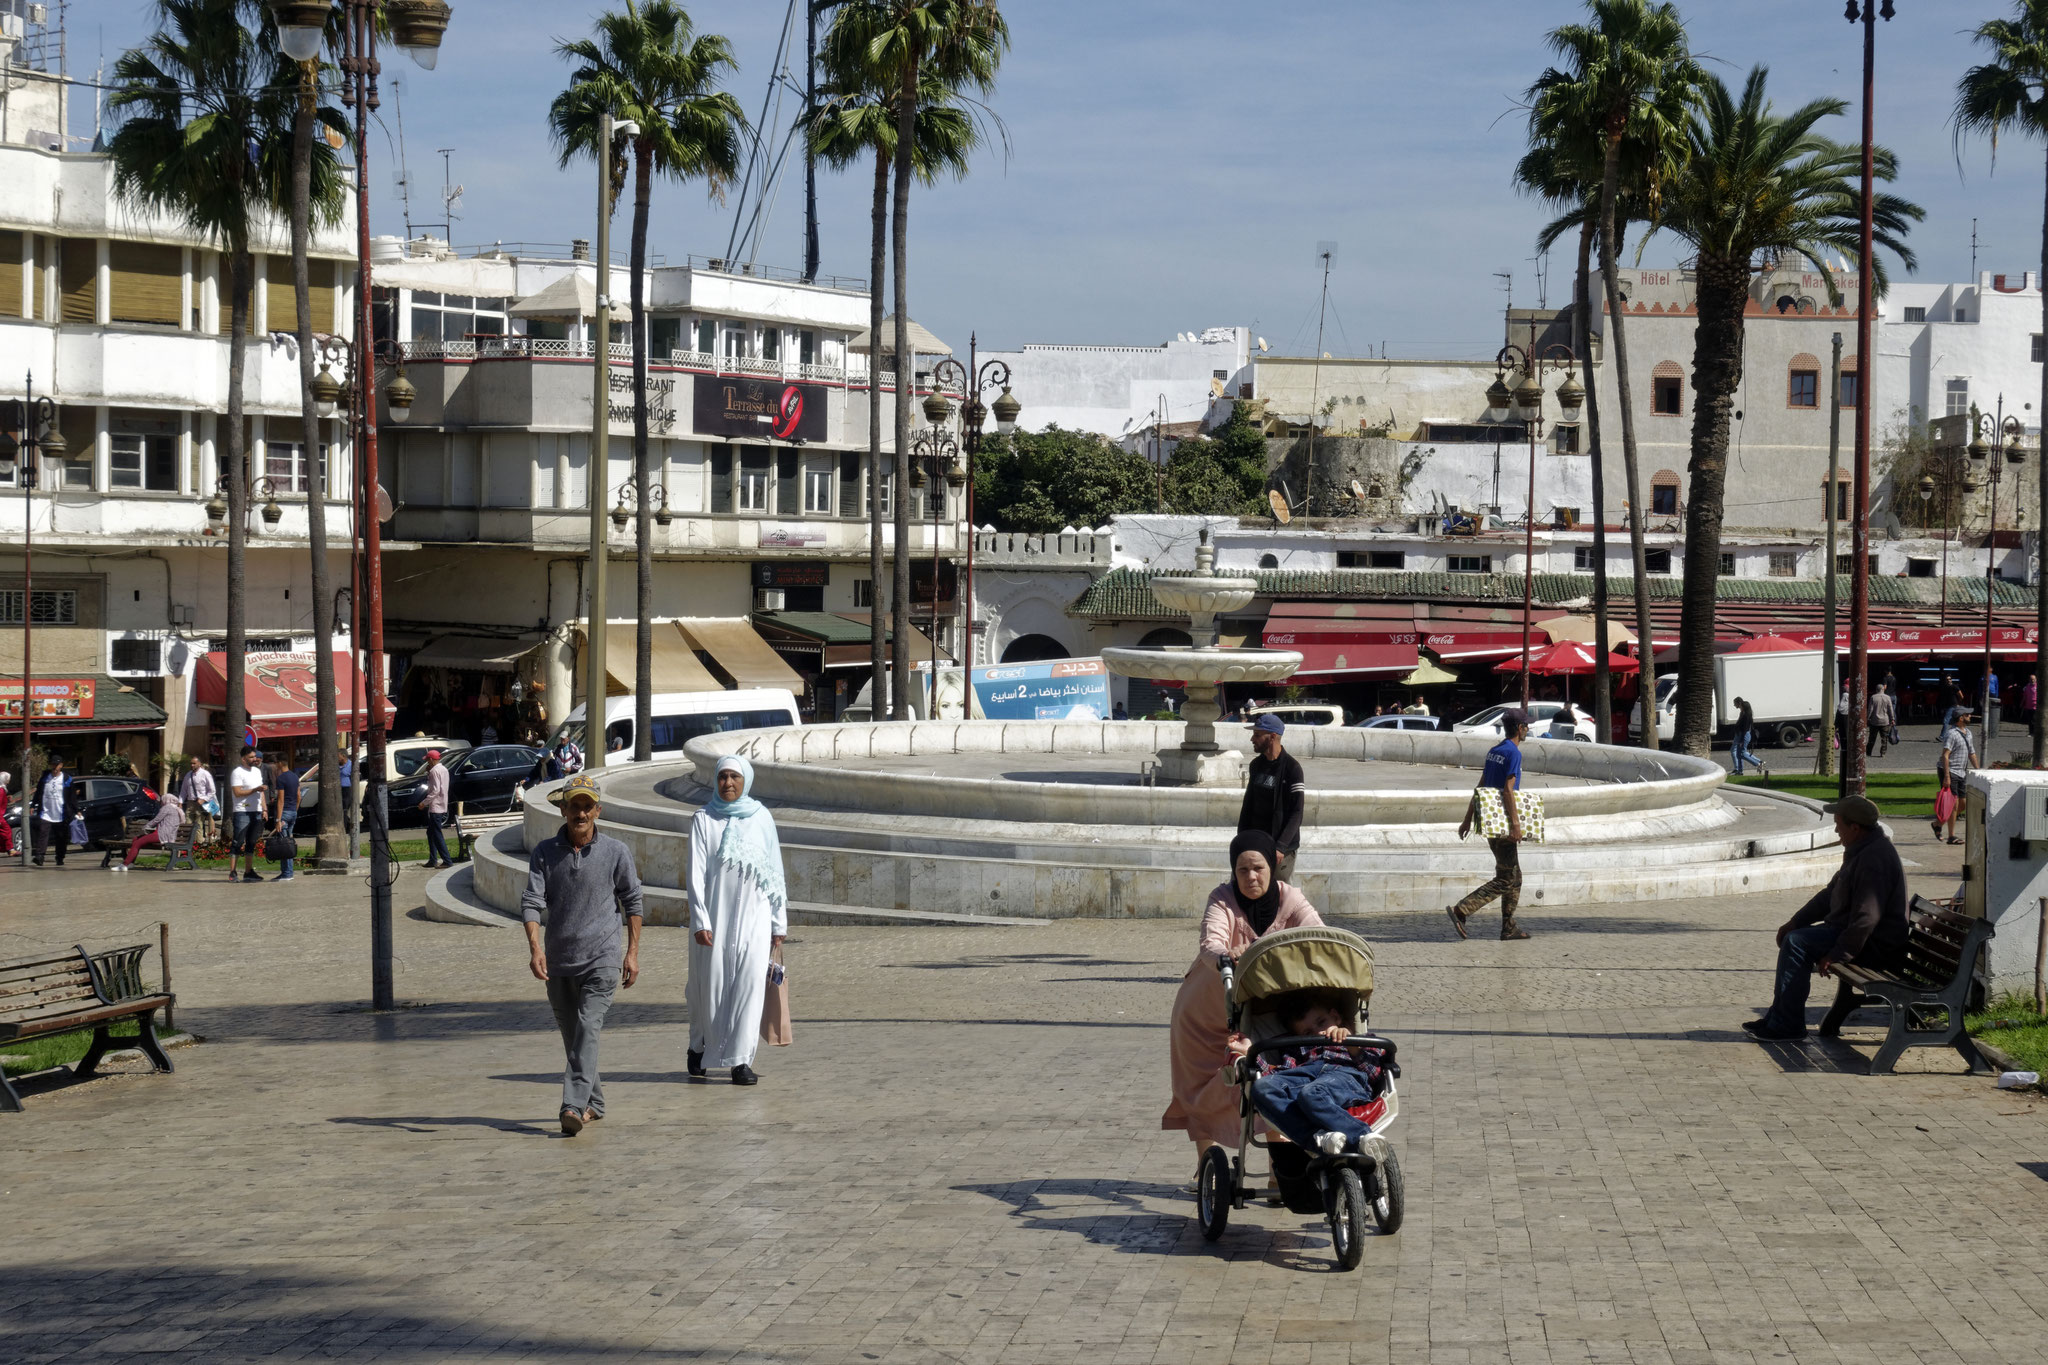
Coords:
pixel 1202 668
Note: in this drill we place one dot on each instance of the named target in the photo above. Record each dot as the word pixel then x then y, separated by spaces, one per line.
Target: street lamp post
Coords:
pixel 28 435
pixel 978 378
pixel 936 450
pixel 416 26
pixel 1859 539
pixel 2002 449
pixel 1527 401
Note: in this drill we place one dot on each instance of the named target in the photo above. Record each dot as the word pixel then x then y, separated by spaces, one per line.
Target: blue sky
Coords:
pixel 1174 165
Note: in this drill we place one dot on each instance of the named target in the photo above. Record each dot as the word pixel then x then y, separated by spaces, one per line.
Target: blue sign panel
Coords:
pixel 1056 689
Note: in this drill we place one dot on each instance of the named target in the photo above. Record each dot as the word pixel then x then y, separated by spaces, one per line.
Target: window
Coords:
pixel 864 592
pixel 664 337
pixel 1919 568
pixel 753 489
pixel 1583 560
pixel 1269 561
pixel 771 343
pixel 1387 559
pixel 148 462
pixel 284 462
pixel 1657 561
pixel 53 607
pixel 807 348
pixel 1958 397
pixel 849 484
pixel 884 488
pixel 818 491
pixel 1846 564
pixel 138 656
pixel 1350 559
pixel 1843 488
pixel 2037 352
pixel 1471 564
pixel 1851 390
pixel 1784 564
pixel 1664 500
pixel 1916 315
pixel 707 336
pixel 1566 441
pixel 1727 565
pixel 1962 315
pixel 788 482
pixel 1805 389
pixel 721 478
pixel 439 317
pixel 145 283
pixel 1664 395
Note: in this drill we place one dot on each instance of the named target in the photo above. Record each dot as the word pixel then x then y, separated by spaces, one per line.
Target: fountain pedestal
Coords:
pixel 1202 668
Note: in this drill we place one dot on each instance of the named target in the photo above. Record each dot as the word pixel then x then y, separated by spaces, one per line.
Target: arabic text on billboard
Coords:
pixel 1056 689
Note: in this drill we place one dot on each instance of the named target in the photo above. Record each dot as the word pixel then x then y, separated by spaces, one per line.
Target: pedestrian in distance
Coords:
pixel 1275 793
pixel 739 916
pixel 200 797
pixel 1952 769
pixel 585 884
pixel 162 833
pixel 2030 699
pixel 1842 739
pixel 1882 712
pixel 7 848
pixel 1741 748
pixel 436 812
pixel 56 801
pixel 1860 916
pixel 284 813
pixel 245 791
pixel 1991 706
pixel 1503 771
pixel 569 757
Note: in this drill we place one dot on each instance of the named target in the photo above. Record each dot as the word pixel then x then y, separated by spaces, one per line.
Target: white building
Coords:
pixel 1126 392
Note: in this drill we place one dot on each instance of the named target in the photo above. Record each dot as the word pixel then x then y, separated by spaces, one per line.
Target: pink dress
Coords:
pixel 1204 1104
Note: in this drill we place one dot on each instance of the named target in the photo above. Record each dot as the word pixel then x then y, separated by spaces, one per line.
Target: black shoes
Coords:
pixel 696 1060
pixel 744 1075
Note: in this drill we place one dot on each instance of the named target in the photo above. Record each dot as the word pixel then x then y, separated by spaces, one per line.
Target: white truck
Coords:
pixel 1782 689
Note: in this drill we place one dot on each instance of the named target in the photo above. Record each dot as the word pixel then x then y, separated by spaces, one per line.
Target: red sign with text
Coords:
pixel 49 699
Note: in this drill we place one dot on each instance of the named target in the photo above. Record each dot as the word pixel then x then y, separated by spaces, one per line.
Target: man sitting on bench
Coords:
pixel 1859 915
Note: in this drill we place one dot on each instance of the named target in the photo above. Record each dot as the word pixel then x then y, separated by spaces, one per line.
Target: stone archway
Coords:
pixel 1029 649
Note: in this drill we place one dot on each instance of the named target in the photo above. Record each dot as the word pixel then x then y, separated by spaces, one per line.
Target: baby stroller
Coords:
pixel 1339 1188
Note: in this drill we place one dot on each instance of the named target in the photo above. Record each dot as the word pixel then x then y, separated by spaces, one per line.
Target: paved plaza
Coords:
pixel 960 1159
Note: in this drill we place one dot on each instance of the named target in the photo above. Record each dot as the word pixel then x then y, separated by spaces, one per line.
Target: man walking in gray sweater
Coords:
pixel 585 884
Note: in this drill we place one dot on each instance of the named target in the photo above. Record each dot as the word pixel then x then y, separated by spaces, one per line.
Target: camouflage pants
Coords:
pixel 1506 884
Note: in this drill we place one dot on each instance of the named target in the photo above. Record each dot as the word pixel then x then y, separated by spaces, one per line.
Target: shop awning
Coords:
pixel 736 647
pixel 280 693
pixel 837 639
pixel 676 667
pixel 474 653
pixel 1324 660
pixel 75 704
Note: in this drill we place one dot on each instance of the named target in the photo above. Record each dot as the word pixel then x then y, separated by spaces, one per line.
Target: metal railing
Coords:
pixel 512 347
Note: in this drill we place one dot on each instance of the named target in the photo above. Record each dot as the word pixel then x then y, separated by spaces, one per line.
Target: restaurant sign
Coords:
pixel 49 698
pixel 761 409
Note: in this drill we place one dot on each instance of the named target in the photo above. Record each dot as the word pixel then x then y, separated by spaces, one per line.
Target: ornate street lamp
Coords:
pixel 399 395
pixel 301 26
pixel 28 437
pixel 976 379
pixel 2001 450
pixel 1526 402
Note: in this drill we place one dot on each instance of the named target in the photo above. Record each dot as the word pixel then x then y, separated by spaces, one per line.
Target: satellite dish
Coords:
pixel 385 511
pixel 1356 491
pixel 1262 344
pixel 1278 502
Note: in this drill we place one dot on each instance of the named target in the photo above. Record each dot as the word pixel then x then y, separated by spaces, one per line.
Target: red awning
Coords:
pixel 1320 658
pixel 279 692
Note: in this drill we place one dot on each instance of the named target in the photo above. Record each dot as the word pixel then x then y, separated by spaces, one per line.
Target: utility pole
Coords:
pixel 1824 762
pixel 598 476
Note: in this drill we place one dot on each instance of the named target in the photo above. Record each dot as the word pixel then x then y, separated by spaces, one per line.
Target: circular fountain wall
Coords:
pixel 1052 819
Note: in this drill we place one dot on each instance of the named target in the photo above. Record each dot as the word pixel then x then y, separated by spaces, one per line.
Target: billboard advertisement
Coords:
pixel 758 409
pixel 1055 689
pixel 50 699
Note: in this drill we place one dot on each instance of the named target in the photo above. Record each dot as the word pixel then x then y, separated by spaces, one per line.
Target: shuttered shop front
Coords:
pixel 283 303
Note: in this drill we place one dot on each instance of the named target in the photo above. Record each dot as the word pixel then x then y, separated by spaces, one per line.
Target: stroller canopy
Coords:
pixel 1315 958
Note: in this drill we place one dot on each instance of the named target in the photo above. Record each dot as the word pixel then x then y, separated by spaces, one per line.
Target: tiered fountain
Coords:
pixel 1202 667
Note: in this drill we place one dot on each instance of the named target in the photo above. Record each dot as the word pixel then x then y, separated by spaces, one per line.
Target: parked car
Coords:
pixel 402 758
pixel 679 717
pixel 1541 713
pixel 481 781
pixel 1298 713
pixel 107 803
pixel 1397 721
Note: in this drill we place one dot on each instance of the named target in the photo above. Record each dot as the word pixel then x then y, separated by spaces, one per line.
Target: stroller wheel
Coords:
pixel 1213 1193
pixel 1389 1199
pixel 1347 1218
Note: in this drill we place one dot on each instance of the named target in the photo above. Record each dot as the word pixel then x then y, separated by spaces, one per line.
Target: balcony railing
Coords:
pixel 547 348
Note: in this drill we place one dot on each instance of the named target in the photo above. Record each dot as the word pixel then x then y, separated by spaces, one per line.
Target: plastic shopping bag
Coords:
pixel 1944 806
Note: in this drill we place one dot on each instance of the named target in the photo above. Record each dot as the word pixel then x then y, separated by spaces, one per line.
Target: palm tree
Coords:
pixel 647 65
pixel 2009 93
pixel 206 110
pixel 852 121
pixel 1627 72
pixel 897 42
pixel 1758 187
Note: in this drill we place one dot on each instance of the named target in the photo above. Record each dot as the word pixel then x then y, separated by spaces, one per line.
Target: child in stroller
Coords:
pixel 1308 1092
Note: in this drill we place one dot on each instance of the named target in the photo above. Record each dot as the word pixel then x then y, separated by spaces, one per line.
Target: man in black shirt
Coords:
pixel 1275 793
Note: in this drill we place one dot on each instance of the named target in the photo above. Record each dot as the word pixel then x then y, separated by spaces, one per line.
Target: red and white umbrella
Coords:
pixel 1566 658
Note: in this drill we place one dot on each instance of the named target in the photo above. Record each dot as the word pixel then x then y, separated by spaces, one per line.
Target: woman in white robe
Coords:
pixel 739 913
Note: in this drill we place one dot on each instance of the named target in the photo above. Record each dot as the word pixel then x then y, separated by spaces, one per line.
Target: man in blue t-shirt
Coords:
pixel 1503 771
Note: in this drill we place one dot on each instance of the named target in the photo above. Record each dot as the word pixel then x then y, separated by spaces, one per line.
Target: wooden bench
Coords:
pixel 1934 976
pixel 58 993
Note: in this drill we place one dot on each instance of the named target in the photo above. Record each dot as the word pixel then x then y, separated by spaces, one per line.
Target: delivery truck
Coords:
pixel 1782 688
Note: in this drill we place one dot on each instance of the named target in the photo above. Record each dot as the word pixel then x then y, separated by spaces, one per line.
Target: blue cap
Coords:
pixel 1271 724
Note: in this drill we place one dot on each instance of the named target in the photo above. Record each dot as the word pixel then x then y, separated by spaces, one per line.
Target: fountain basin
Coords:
pixel 1195 664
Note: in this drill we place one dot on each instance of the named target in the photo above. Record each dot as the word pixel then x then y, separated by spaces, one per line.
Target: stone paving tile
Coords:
pixel 960 1160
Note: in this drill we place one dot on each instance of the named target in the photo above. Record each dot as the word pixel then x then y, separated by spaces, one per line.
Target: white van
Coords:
pixel 679 717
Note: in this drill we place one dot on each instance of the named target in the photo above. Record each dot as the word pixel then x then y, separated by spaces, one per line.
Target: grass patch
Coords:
pixel 1901 796
pixel 40 1054
pixel 2009 1024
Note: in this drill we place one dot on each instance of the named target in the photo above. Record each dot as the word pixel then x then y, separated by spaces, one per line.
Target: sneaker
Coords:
pixel 1374 1146
pixel 1330 1143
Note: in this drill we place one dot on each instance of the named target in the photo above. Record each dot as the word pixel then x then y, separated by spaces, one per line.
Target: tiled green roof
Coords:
pixel 1126 594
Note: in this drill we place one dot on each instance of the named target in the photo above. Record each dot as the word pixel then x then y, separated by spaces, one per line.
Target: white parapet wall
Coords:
pixel 2005 875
